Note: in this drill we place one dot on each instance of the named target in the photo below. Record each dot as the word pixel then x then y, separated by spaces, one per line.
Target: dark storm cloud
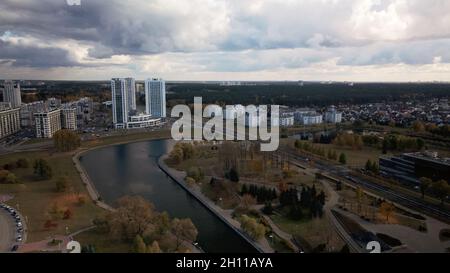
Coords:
pixel 31 56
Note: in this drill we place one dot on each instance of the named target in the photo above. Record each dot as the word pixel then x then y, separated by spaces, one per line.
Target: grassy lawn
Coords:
pixel 314 232
pixel 355 158
pixel 102 242
pixel 35 198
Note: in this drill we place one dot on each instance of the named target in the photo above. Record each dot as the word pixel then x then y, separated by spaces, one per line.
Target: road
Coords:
pixel 399 198
pixel 7 231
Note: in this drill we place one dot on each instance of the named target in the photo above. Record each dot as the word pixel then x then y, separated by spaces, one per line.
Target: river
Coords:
pixel 132 169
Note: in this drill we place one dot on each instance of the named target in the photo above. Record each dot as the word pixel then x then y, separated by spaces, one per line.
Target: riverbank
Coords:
pixel 224 216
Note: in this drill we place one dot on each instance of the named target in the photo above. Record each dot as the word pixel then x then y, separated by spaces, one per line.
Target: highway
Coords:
pixel 7 231
pixel 405 200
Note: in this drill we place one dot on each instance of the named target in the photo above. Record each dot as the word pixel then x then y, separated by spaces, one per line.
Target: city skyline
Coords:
pixel 389 41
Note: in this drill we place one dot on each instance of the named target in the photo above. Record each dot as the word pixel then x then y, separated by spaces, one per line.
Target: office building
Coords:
pixel 120 105
pixel 11 94
pixel 155 97
pixel 333 116
pixel 47 123
pixel 9 120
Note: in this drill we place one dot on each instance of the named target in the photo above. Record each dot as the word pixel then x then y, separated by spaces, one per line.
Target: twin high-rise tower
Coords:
pixel 124 100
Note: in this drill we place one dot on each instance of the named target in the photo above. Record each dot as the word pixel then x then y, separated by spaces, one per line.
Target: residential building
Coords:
pixel 311 119
pixel 69 118
pixel 143 121
pixel 9 120
pixel 155 97
pixel 287 120
pixel 48 123
pixel 11 93
pixel 130 84
pixel 333 116
pixel 120 110
pixel 28 110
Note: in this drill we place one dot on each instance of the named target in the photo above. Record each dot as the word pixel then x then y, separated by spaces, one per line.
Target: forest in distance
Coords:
pixel 292 94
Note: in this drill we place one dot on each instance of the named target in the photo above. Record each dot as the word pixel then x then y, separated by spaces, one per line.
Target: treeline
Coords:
pixel 320 151
pixel 309 205
pixel 137 223
pixel 401 143
pixel 293 94
pixel 419 126
pixel 262 194
pixel 66 140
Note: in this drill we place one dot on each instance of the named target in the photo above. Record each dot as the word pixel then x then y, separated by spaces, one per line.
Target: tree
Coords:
pixel 343 159
pixel 154 248
pixel 7 177
pixel 252 228
pixel 62 184
pixel 139 245
pixel 67 214
pixel 418 126
pixel 233 175
pixel 42 169
pixel 425 184
pixel 132 217
pixel 387 209
pixel 268 208
pixel 23 163
pixel 66 140
pixel 442 189
pixel 183 230
pixel 247 201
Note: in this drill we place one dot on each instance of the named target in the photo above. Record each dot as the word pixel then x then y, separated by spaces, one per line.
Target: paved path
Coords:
pixel 332 201
pixel 7 231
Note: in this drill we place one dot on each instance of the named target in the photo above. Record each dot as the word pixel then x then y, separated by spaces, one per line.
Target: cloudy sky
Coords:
pixel 353 40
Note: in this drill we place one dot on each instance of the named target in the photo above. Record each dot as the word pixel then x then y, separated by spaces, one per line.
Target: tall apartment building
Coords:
pixel 11 94
pixel 69 118
pixel 48 123
pixel 9 121
pixel 131 93
pixel 120 105
pixel 155 97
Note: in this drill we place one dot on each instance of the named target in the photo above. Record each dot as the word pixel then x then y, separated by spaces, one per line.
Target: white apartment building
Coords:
pixel 143 121
pixel 48 123
pixel 69 118
pixel 28 110
pixel 287 120
pixel 155 97
pixel 11 93
pixel 9 121
pixel 333 116
pixel 311 119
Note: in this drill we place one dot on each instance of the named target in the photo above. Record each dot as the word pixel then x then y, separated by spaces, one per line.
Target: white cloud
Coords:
pixel 279 39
